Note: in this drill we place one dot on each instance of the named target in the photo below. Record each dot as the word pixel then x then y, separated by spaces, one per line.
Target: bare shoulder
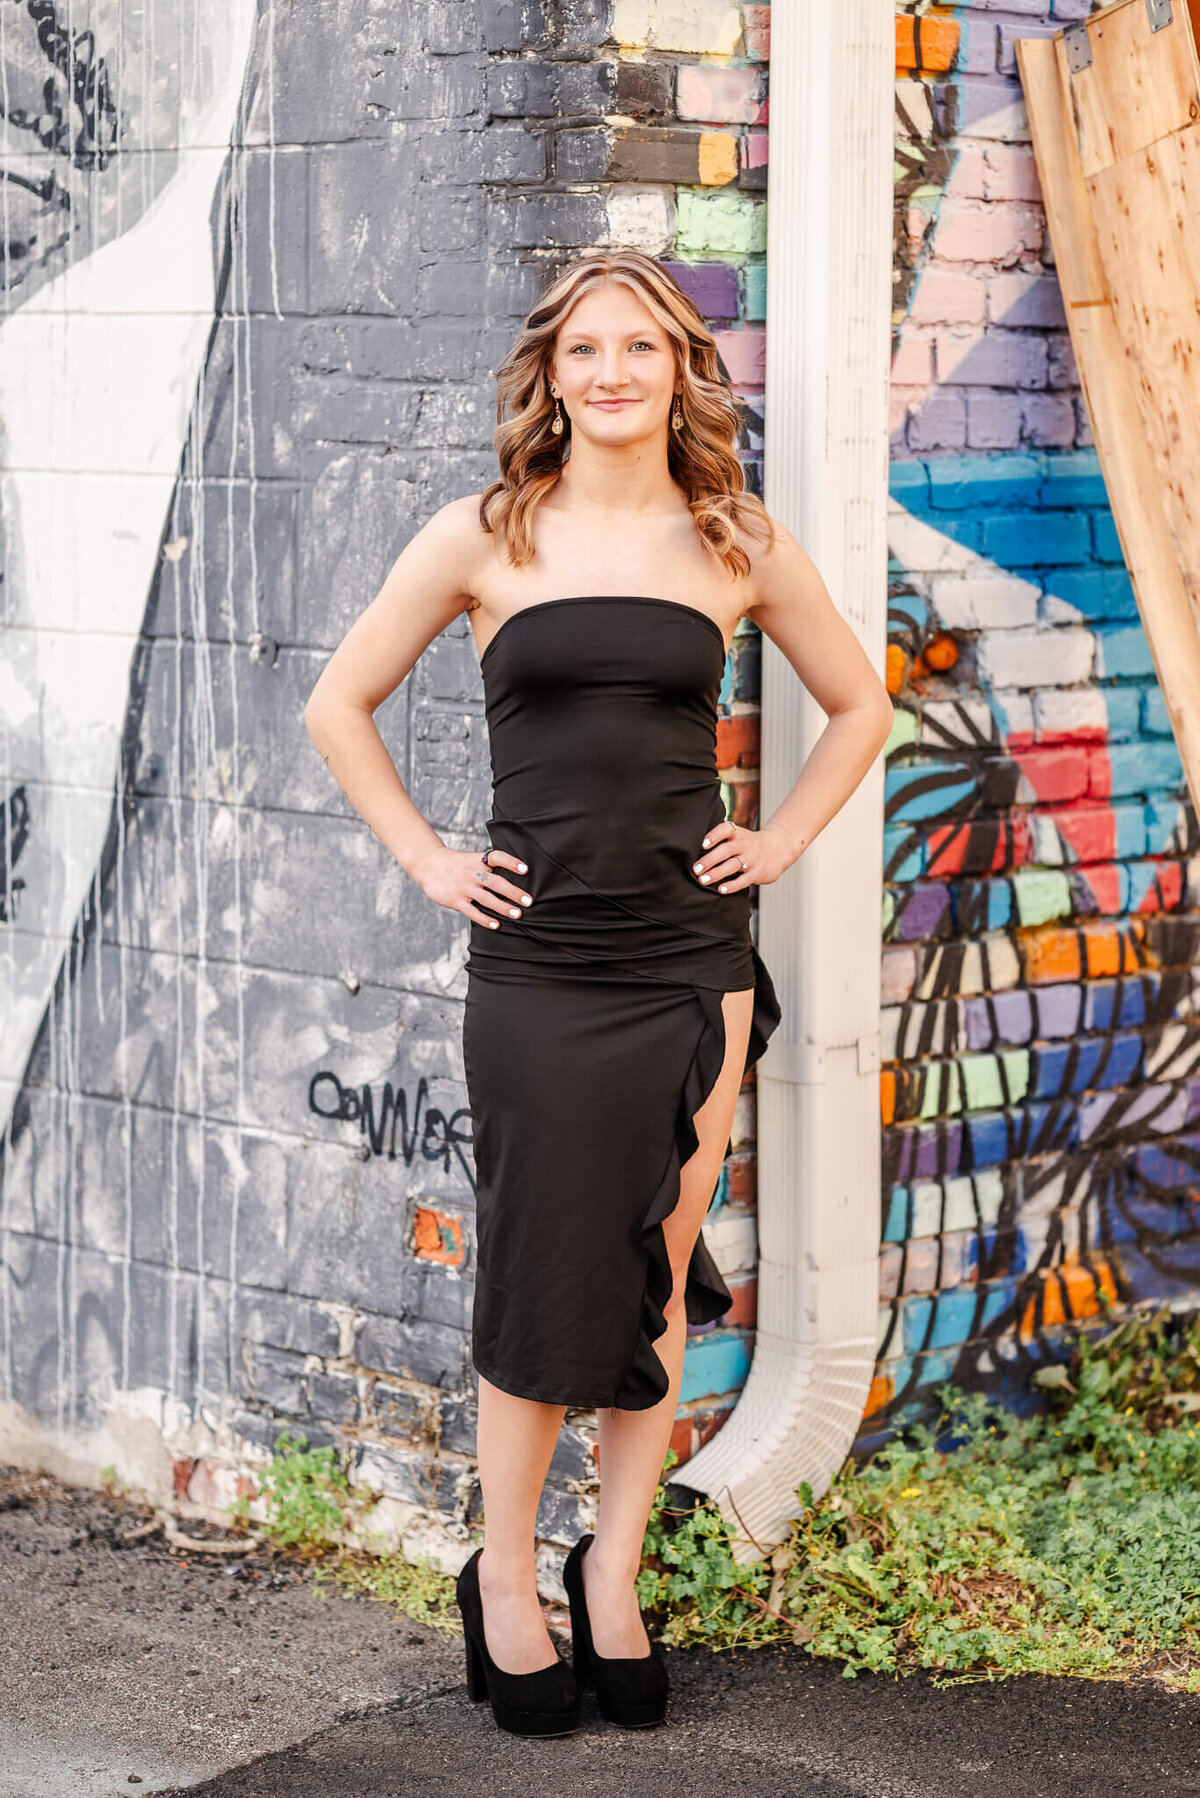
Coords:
pixel 456 531
pixel 781 570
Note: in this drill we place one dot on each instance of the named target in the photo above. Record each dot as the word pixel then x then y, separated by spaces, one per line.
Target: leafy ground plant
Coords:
pixel 1064 1543
pixel 312 1510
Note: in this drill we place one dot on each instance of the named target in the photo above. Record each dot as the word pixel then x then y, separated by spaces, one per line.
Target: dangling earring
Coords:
pixel 557 426
pixel 677 415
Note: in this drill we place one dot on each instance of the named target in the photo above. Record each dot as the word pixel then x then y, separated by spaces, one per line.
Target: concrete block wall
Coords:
pixel 236 1179
pixel 1041 907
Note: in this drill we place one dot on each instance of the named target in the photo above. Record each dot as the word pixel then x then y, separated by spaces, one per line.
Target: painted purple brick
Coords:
pixel 711 286
pixel 922 913
pixel 1058 1009
pixel 1000 1018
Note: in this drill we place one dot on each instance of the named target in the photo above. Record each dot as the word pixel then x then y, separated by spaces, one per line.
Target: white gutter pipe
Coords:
pixel 829 301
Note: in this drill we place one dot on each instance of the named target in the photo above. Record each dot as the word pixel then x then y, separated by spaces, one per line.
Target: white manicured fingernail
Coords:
pixel 704 878
pixel 521 868
pixel 495 923
pixel 525 899
pixel 705 843
pixel 513 912
pixel 695 867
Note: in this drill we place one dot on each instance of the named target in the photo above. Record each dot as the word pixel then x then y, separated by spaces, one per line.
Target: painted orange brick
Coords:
pixel 929 42
pixel 894 668
pixel 681 1439
pixel 1068 1293
pixel 708 1423
pixel 718 158
pixel 887 1096
pixel 744 1310
pixel 437 1237
pixel 882 1392
pixel 1051 955
pixel 1111 950
pixel 741 1172
pixel 737 741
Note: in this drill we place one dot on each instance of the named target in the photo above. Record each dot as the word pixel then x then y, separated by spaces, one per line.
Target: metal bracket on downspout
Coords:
pixel 805 1064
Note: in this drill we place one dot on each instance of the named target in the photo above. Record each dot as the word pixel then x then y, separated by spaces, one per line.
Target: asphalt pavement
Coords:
pixel 128 1666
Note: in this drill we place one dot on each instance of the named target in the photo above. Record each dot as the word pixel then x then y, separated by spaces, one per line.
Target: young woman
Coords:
pixel 615 998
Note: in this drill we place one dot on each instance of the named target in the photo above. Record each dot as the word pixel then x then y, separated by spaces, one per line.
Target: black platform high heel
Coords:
pixel 630 1689
pixel 542 1703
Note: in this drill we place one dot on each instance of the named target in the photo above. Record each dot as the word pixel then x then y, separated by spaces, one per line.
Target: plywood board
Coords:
pixel 1140 85
pixel 1127 461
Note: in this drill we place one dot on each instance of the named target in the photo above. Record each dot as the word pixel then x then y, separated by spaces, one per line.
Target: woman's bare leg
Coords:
pixel 514 1443
pixel 633 1444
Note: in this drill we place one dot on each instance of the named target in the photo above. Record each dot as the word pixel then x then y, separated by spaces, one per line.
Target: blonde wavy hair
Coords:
pixel 702 455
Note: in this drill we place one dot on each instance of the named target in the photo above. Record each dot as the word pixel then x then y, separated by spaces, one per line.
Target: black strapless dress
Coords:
pixel 593 1029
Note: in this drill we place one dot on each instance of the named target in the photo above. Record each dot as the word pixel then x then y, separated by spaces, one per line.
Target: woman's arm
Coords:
pixel 791 605
pixel 426 588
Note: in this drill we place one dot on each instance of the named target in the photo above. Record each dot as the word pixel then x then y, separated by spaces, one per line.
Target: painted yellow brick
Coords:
pixel 718 158
pixel 711 26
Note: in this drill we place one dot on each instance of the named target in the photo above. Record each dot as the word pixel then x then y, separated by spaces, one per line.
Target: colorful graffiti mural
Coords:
pixel 1039 911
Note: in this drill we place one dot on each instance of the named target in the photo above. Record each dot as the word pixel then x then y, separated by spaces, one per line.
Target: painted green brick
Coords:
pixel 1041 894
pixel 723 224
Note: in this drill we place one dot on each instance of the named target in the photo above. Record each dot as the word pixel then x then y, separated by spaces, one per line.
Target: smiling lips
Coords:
pixel 612 405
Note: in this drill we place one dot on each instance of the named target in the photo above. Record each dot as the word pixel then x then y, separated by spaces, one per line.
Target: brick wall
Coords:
pixel 1042 890
pixel 236 1177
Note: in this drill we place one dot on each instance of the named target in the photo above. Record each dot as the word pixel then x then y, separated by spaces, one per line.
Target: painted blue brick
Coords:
pixel 911 863
pixel 996 1301
pixel 908 484
pixel 1161 815
pixel 713 1365
pixel 994 896
pixel 1098 592
pixel 954 1314
pixel 1155 719
pixel 1028 539
pixel 915 1314
pixel 934 1370
pixel 990 481
pixel 754 278
pixel 725 696
pixel 926 788
pixel 1114 1005
pixel 983 1252
pixel 1104 536
pixel 1122 652
pixel 990 1134
pixel 1124 708
pixel 896 1226
pixel 1089 1062
pixel 1130 823
pixel 1144 767
pixel 1073 478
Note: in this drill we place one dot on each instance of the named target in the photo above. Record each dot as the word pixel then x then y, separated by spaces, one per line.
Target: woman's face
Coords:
pixel 614 368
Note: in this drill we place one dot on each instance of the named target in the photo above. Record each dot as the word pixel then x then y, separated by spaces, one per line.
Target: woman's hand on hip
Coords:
pixel 459 880
pixel 734 857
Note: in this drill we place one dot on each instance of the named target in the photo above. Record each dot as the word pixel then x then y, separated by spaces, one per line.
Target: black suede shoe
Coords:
pixel 542 1703
pixel 630 1689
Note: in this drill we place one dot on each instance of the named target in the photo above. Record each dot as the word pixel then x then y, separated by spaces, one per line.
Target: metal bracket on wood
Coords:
pixel 1159 13
pixel 1078 48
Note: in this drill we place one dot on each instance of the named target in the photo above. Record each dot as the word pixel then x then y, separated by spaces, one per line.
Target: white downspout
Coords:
pixel 829 301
